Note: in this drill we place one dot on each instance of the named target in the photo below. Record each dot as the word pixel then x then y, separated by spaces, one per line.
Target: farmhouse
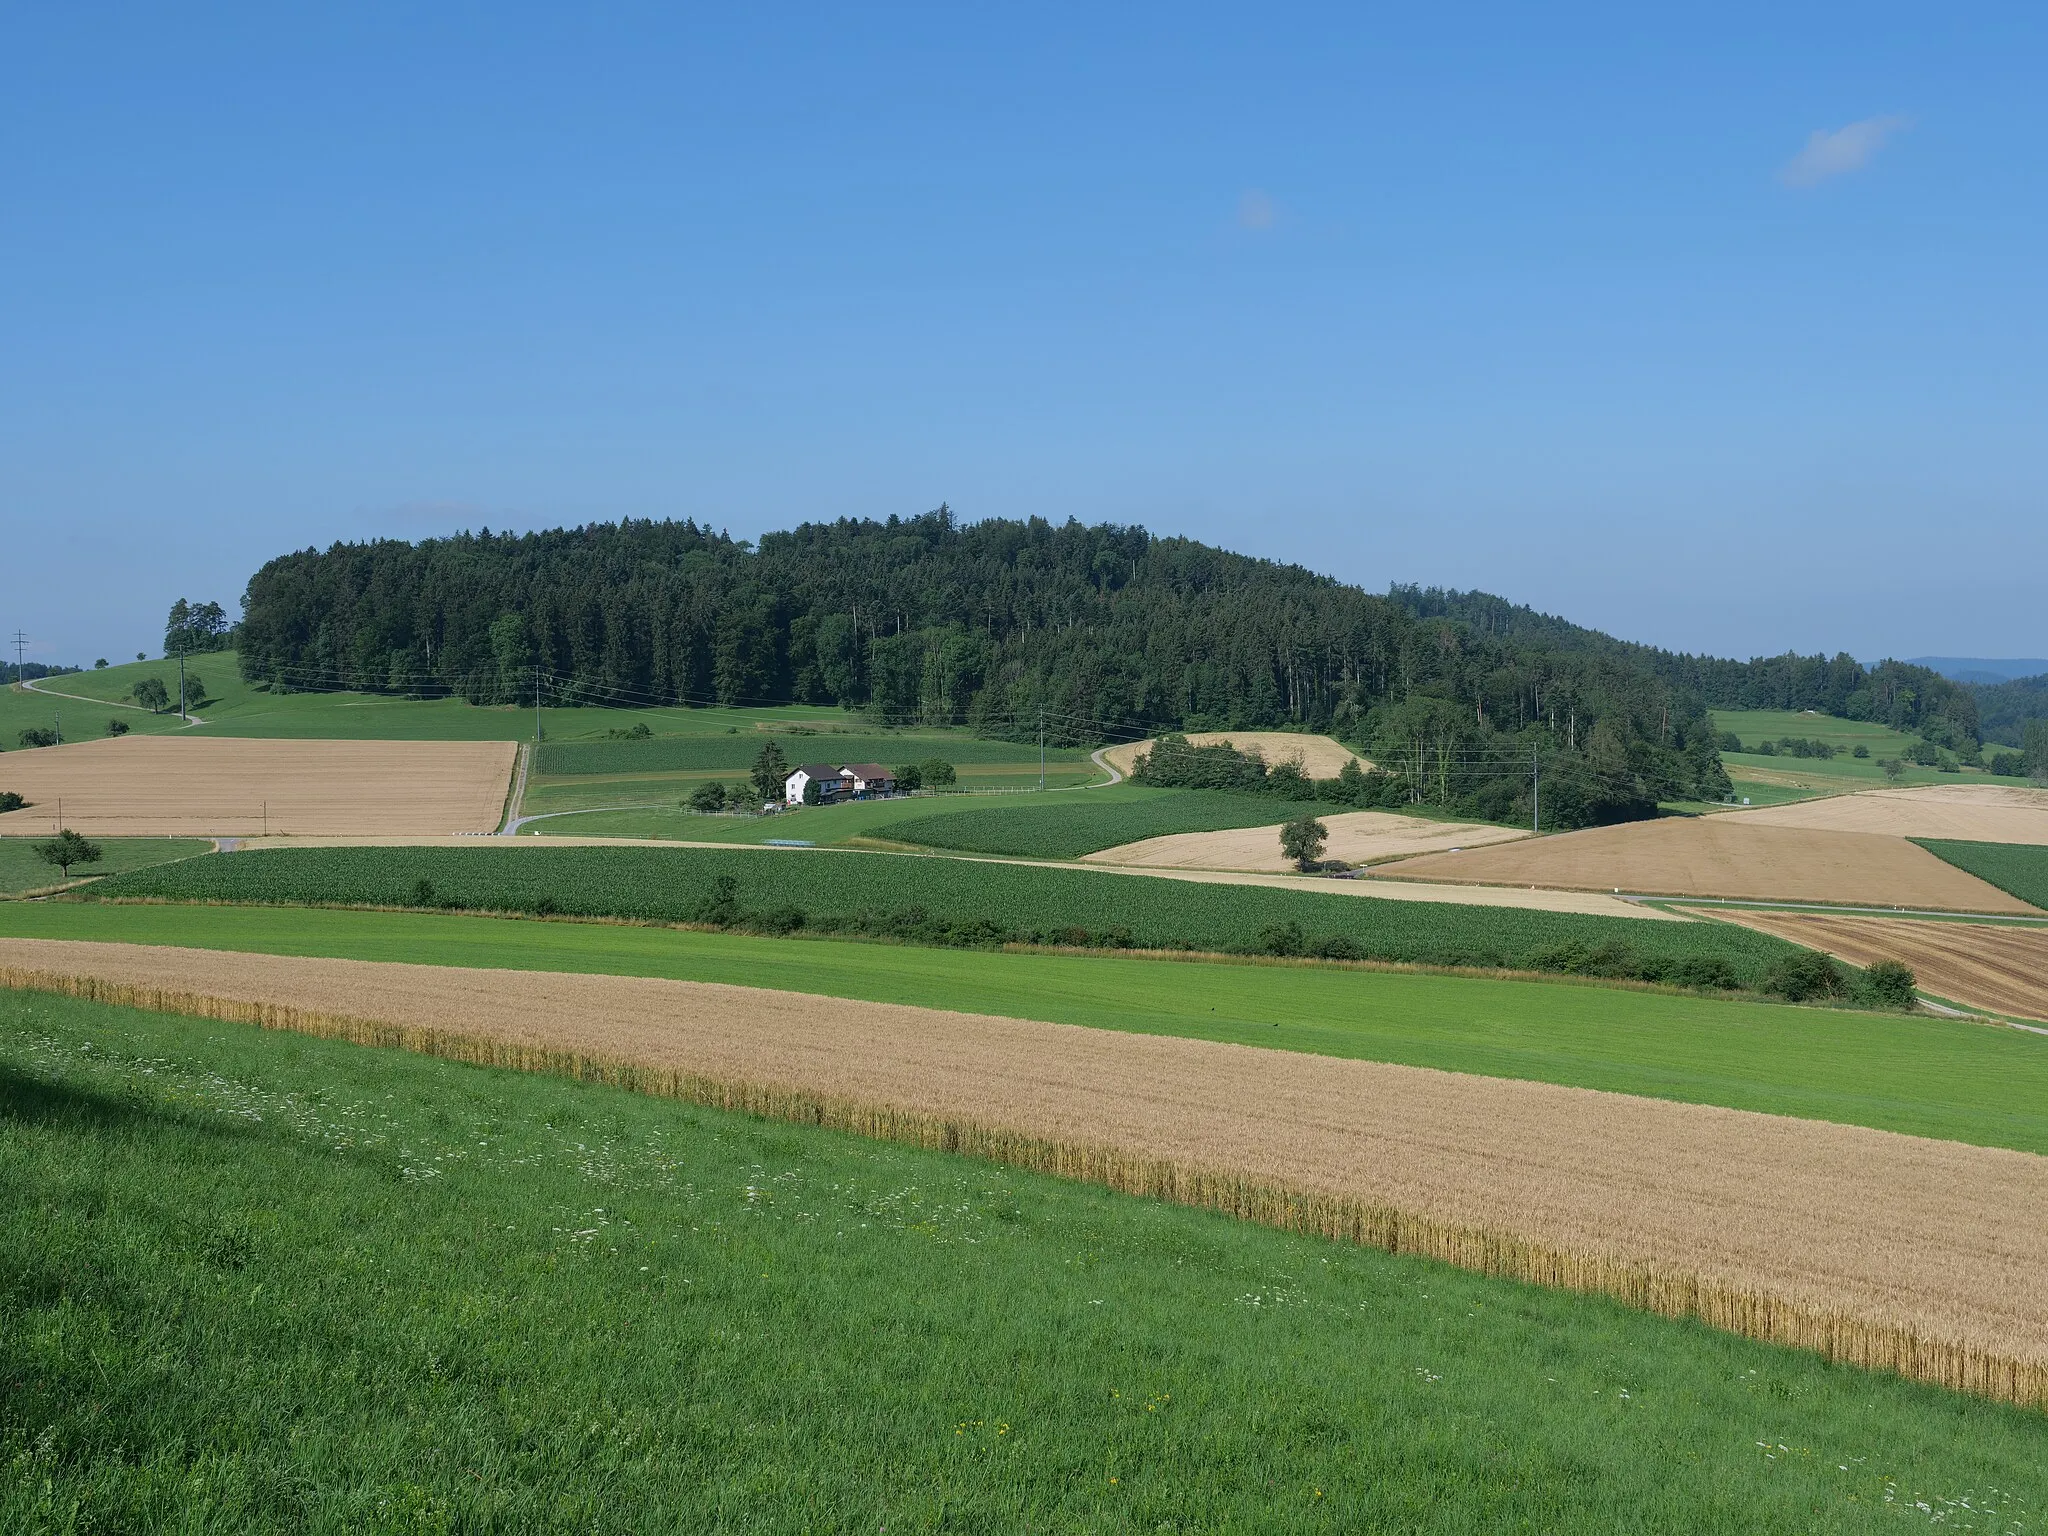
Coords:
pixel 851 781
pixel 871 779
pixel 833 783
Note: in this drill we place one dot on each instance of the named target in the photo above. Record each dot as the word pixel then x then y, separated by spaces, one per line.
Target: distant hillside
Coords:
pixel 1904 695
pixel 1103 633
pixel 1982 669
pixel 2005 708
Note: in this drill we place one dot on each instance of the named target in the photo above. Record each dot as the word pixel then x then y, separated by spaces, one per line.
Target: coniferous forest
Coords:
pixel 1101 633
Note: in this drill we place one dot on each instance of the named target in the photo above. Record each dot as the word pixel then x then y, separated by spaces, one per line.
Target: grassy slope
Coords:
pixel 277 1283
pixel 1816 775
pixel 1928 1077
pixel 840 889
pixel 2014 868
pixel 21 870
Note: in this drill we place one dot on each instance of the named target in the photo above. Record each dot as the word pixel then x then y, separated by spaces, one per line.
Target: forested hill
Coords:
pixel 1901 695
pixel 1107 632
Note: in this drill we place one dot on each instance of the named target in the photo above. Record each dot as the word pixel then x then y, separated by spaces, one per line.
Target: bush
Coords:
pixel 935 773
pixel 1891 984
pixel 1861 750
pixel 909 776
pixel 11 801
pixel 1281 939
pixel 1337 946
pixel 1730 742
pixel 1805 976
pixel 2009 765
pixel 36 736
pixel 708 798
pixel 117 727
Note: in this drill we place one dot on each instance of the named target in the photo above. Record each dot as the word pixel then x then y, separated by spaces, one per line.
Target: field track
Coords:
pixel 1355 837
pixel 1729 856
pixel 227 786
pixel 1925 1257
pixel 1970 813
pixel 1980 964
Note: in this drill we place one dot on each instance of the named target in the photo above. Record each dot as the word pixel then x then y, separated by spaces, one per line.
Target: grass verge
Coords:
pixel 1922 1076
pixel 283 1283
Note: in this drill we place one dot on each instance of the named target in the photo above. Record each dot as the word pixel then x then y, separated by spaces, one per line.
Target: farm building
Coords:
pixel 833 783
pixel 871 779
pixel 851 781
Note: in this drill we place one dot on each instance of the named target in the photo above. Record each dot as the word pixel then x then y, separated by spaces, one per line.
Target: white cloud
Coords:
pixel 1255 210
pixel 1839 152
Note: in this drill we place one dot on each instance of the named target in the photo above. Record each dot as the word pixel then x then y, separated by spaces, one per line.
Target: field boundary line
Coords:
pixel 1667 1291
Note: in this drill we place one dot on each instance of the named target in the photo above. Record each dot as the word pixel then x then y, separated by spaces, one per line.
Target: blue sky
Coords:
pixel 1720 329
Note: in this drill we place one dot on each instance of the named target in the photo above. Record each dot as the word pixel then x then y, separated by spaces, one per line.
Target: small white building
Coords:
pixel 834 783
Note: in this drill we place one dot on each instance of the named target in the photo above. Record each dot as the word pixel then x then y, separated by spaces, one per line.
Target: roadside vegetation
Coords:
pixel 969 903
pixel 283 1283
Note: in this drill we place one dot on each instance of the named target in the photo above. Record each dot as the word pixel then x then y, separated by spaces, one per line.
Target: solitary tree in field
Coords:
pixel 151 694
pixel 66 849
pixel 1894 770
pixel 1302 840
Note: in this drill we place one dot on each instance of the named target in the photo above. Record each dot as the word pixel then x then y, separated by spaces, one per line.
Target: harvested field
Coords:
pixel 1984 965
pixel 1974 813
pixel 1321 757
pixel 1731 856
pixel 159 786
pixel 1792 1231
pixel 1357 837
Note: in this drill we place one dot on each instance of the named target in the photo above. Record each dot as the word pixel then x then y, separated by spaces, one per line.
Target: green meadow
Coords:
pixel 266 1283
pixel 1923 1076
pixel 21 870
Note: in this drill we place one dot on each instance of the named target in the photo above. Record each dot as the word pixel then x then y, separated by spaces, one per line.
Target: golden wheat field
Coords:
pixel 225 786
pixel 1728 856
pixel 1321 757
pixel 1925 1257
pixel 1356 837
pixel 1984 965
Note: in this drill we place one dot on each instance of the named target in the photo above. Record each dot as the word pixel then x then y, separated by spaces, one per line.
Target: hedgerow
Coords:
pixel 964 902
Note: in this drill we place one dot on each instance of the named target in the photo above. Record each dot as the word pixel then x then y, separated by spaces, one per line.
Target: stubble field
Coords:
pixel 164 786
pixel 1985 965
pixel 1357 837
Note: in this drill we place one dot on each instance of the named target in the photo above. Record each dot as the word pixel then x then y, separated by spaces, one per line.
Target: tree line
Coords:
pixel 1097 633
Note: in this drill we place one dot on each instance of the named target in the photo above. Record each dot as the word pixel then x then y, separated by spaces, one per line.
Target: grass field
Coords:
pixel 2017 869
pixel 958 901
pixel 280 1283
pixel 1922 1076
pixel 21 870
pixel 1775 780
pixel 1086 821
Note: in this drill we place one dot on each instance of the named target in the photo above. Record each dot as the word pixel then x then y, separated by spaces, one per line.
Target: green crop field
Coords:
pixel 1918 1075
pixel 944 900
pixel 2015 868
pixel 736 752
pixel 21 870
pixel 1087 822
pixel 274 1283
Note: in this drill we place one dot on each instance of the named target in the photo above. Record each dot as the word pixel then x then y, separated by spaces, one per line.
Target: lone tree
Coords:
pixel 1302 840
pixel 771 772
pixel 152 695
pixel 1894 770
pixel 66 849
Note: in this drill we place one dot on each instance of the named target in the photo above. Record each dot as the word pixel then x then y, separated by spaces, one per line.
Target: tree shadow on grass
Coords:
pixel 30 1099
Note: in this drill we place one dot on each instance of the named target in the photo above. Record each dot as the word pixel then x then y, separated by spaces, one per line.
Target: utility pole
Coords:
pixel 1535 793
pixel 20 640
pixel 181 685
pixel 536 706
pixel 1041 746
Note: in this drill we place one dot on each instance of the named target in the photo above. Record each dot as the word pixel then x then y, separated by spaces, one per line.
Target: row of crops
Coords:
pixel 2015 868
pixel 948 901
pixel 737 751
pixel 1067 826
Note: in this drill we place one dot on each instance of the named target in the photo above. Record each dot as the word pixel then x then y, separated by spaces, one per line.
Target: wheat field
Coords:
pixel 1923 1257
